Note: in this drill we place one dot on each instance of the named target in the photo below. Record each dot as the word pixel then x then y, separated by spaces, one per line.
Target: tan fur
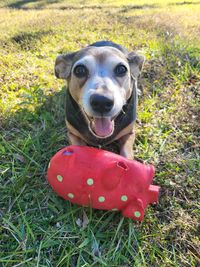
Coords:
pixel 74 135
pixel 126 141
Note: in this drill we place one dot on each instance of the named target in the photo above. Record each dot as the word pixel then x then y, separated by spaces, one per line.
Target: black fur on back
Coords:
pixel 110 43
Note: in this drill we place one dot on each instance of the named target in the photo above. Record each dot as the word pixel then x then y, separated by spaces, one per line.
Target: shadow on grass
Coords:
pixel 26 40
pixel 21 4
pixel 124 8
pixel 42 4
pixel 36 134
pixel 131 7
pixel 184 3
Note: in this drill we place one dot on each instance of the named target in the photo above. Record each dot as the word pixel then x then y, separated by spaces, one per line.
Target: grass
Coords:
pixel 37 227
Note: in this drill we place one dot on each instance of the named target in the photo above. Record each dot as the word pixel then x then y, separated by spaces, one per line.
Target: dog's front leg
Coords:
pixel 126 145
pixel 73 136
pixel 75 140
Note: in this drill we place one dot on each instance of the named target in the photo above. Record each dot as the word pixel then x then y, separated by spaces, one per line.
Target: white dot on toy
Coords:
pixel 59 178
pixel 70 195
pixel 90 181
pixel 101 199
pixel 124 198
pixel 137 214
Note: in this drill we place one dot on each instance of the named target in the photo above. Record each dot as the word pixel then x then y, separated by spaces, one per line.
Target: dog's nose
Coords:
pixel 100 103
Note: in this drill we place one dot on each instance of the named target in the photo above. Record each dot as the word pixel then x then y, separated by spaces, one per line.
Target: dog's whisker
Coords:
pixel 123 111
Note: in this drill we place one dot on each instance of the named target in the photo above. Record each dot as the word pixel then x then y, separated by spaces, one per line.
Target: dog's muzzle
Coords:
pixel 102 125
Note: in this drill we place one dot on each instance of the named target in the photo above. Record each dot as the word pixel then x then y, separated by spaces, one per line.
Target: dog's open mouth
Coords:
pixel 102 127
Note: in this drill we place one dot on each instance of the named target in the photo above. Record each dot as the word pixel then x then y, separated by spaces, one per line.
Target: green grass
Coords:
pixel 37 227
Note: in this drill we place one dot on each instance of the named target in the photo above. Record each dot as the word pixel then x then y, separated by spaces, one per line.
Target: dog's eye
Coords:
pixel 80 71
pixel 120 70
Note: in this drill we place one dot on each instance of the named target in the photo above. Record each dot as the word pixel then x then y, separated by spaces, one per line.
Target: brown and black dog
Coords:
pixel 101 95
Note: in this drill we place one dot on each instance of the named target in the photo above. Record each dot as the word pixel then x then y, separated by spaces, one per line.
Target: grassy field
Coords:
pixel 38 229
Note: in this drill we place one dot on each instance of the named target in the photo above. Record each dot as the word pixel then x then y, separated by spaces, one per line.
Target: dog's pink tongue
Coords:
pixel 103 126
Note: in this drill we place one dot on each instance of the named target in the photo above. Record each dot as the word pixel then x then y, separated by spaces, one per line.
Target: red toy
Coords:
pixel 103 180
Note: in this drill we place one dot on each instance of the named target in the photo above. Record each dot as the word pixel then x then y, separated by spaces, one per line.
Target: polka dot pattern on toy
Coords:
pixel 102 180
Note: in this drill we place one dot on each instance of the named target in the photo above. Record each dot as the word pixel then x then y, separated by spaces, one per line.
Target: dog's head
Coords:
pixel 100 78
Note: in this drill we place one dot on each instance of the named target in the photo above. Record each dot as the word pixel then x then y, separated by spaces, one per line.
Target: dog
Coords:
pixel 102 93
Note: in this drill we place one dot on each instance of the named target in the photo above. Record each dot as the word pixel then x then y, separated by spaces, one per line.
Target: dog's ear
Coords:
pixel 136 63
pixel 63 65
